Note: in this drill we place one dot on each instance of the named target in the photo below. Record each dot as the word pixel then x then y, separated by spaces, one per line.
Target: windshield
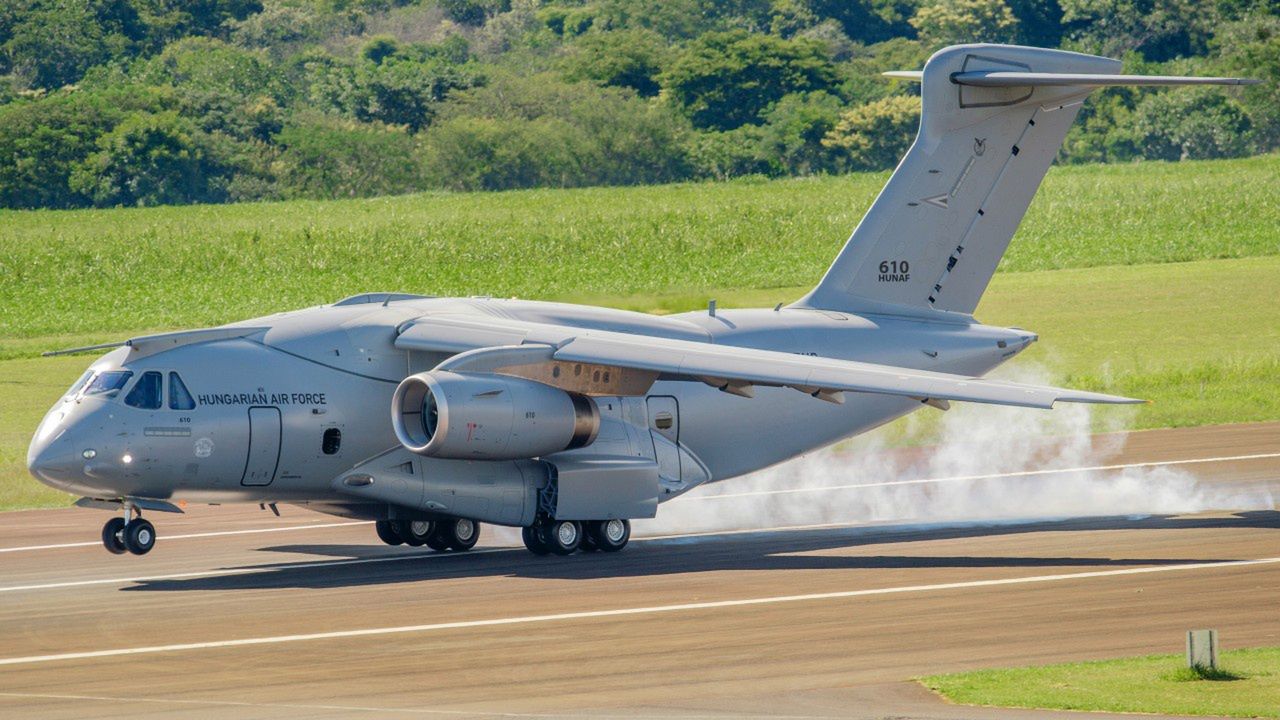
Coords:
pixel 75 388
pixel 108 382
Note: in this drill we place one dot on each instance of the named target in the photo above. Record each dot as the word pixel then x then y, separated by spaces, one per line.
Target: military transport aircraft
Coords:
pixel 432 415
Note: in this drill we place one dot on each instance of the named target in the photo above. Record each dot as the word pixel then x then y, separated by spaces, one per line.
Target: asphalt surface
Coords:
pixel 238 613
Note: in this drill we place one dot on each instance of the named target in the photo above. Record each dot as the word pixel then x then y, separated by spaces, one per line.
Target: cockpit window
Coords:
pixel 179 397
pixel 146 392
pixel 79 384
pixel 108 382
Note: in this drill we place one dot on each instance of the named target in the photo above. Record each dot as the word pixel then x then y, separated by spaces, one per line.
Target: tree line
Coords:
pixel 145 102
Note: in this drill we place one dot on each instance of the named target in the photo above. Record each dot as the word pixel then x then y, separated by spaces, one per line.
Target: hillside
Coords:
pixel 108 103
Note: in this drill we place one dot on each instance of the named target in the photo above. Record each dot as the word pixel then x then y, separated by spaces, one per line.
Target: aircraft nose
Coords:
pixel 51 458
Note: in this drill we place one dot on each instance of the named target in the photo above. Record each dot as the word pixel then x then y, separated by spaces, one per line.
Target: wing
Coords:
pixel 490 343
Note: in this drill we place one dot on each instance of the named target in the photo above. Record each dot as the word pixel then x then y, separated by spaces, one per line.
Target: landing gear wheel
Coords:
pixel 387 533
pixel 139 536
pixel 465 533
pixel 564 536
pixel 416 532
pixel 113 536
pixel 588 540
pixel 610 535
pixel 533 539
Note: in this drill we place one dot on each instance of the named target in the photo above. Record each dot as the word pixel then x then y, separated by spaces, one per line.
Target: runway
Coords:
pixel 239 613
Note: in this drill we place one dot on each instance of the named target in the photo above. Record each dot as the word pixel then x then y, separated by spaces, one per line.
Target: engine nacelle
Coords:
pixel 489 417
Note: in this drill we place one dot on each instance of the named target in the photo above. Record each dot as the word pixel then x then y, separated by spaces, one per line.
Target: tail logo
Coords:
pixel 938 200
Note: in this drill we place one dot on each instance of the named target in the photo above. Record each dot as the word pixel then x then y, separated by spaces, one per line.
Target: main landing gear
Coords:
pixel 134 535
pixel 564 537
pixel 457 534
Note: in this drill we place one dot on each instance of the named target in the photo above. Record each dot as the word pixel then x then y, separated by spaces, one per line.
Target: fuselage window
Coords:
pixel 146 393
pixel 179 397
pixel 108 382
pixel 332 441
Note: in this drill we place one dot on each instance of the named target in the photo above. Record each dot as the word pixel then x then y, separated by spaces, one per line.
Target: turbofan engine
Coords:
pixel 489 417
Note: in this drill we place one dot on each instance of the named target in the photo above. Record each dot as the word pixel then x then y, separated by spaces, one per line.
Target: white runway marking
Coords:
pixel 217 533
pixel 380 710
pixel 989 476
pixel 650 610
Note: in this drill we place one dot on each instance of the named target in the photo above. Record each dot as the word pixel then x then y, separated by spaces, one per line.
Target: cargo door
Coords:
pixel 264 446
pixel 664 429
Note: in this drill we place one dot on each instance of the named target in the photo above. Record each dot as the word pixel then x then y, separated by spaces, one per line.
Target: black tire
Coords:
pixel 464 534
pixel 139 536
pixel 441 536
pixel 533 540
pixel 611 535
pixel 387 532
pixel 588 539
pixel 564 536
pixel 113 536
pixel 415 533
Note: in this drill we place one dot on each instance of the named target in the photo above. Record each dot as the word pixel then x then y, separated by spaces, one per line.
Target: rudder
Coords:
pixel 933 237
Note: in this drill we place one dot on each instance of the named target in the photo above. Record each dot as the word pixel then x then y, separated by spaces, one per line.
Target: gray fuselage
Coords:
pixel 328 369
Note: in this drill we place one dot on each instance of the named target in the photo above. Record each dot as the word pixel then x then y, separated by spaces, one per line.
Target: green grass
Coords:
pixel 1247 686
pixel 69 272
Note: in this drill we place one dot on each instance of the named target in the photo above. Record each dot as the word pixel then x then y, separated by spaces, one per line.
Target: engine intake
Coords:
pixel 489 417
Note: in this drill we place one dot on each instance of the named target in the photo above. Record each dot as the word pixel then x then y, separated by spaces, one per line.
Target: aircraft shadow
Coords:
pixel 763 550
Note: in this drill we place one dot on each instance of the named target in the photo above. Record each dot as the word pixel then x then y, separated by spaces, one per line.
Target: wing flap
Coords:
pixel 738 367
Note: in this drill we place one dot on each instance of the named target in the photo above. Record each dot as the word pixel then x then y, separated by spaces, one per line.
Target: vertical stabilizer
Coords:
pixel 935 234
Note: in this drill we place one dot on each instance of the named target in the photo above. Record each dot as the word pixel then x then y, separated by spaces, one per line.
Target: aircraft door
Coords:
pixel 264 446
pixel 664 425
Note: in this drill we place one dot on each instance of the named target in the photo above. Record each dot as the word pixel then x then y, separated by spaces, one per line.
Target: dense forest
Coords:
pixel 145 102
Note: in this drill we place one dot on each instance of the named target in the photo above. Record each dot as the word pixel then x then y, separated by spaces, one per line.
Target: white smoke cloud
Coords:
pixel 980 463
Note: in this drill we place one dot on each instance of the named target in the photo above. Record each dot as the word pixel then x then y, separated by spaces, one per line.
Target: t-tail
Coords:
pixel 993 117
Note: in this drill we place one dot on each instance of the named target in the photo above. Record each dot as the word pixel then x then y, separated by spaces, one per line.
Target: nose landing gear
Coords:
pixel 136 535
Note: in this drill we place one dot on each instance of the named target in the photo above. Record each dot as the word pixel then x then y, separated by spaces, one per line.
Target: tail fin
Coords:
pixel 992 120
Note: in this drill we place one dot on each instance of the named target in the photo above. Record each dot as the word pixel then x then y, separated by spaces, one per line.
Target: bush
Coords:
pixel 152 159
pixel 626 58
pixel 43 139
pixel 524 133
pixel 323 157
pixel 875 136
pixel 724 80
pixel 1191 124
pixel 793 132
pixel 948 22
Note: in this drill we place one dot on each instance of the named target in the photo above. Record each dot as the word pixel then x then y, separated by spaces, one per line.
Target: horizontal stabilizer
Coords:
pixel 987 78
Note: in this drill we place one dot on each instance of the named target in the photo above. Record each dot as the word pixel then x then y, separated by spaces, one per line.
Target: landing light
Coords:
pixel 89 454
pixel 126 458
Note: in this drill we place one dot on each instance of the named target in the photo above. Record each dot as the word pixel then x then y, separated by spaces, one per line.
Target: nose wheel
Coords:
pixel 136 536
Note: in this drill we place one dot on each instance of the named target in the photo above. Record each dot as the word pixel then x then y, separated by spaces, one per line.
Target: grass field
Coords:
pixel 1137 305
pixel 1249 687
pixel 112 270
